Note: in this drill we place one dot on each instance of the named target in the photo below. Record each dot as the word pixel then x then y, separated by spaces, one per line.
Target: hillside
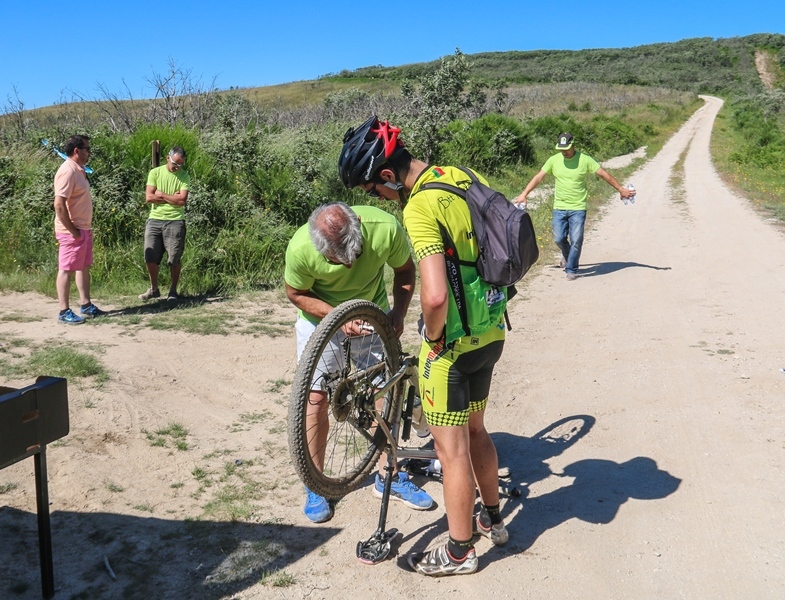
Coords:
pixel 701 65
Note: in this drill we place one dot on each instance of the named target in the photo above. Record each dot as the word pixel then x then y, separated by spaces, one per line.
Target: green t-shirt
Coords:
pixel 169 183
pixel 570 173
pixel 384 242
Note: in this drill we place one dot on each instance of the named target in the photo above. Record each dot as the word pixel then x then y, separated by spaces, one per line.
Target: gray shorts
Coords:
pixel 164 235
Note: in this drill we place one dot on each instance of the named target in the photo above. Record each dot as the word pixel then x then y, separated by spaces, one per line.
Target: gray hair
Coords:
pixel 177 150
pixel 335 232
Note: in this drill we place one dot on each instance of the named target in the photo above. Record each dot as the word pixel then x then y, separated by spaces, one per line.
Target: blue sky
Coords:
pixel 55 49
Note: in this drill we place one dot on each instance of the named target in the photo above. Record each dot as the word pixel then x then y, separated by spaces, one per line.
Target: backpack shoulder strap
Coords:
pixel 470 173
pixel 446 187
pixel 454 280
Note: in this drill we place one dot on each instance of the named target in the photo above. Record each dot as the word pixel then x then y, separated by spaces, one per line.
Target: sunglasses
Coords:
pixel 87 149
pixel 338 264
pixel 176 165
pixel 374 194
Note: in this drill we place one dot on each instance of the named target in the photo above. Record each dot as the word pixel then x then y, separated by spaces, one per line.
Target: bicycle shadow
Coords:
pixel 597 490
pixel 605 268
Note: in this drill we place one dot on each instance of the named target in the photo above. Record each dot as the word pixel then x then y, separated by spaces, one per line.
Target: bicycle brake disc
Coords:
pixel 342 400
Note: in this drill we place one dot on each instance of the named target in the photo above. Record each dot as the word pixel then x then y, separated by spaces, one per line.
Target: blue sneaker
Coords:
pixel 317 509
pixel 92 310
pixel 70 318
pixel 405 491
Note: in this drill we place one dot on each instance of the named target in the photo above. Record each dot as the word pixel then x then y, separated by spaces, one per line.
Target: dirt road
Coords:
pixel 639 407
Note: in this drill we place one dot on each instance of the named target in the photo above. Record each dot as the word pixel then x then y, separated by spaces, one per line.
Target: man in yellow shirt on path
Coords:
pixel 570 168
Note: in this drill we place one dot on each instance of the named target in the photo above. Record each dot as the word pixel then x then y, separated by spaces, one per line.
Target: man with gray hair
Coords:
pixel 339 255
pixel 166 192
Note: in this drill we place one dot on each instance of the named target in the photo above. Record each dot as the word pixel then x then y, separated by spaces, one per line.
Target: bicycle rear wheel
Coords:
pixel 347 371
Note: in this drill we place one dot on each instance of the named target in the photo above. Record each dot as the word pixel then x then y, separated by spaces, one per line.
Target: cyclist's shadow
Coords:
pixel 598 488
pixel 595 494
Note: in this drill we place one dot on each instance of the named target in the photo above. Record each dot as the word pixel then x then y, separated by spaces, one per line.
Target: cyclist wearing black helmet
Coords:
pixel 455 369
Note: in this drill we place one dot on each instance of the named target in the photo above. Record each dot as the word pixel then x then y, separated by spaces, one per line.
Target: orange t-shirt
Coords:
pixel 71 183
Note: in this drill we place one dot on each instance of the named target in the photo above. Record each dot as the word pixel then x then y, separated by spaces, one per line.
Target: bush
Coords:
pixel 250 254
pixel 487 144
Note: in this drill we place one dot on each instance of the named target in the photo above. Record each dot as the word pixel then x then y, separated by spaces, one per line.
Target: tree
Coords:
pixel 436 99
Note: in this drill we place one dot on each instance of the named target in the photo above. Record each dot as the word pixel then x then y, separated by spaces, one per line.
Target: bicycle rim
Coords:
pixel 353 442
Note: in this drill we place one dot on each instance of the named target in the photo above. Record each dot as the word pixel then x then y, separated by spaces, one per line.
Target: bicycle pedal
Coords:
pixel 377 548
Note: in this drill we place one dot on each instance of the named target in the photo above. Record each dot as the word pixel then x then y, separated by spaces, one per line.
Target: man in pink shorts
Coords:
pixel 73 230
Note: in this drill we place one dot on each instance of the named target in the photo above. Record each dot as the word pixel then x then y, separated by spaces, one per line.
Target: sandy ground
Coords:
pixel 639 407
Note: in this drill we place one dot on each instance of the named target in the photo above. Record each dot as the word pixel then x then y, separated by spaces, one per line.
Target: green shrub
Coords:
pixel 487 144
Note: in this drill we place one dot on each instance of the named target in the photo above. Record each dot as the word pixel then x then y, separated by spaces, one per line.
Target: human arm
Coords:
pixel 61 210
pixel 611 180
pixel 155 196
pixel 434 295
pixel 403 289
pixel 308 302
pixel 535 181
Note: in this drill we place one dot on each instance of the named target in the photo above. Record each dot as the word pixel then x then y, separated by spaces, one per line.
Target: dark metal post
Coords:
pixel 44 525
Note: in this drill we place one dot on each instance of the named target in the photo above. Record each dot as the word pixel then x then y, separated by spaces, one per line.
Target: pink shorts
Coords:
pixel 75 254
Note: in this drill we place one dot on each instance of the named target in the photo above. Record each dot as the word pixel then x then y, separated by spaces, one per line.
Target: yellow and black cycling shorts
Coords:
pixel 455 379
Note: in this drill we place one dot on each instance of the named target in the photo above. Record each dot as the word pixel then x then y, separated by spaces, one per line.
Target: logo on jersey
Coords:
pixel 437 172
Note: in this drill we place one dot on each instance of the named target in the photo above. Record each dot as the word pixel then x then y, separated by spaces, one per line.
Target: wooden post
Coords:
pixel 156 153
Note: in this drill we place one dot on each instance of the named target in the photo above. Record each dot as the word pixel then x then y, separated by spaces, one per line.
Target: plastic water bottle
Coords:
pixel 418 419
pixel 632 189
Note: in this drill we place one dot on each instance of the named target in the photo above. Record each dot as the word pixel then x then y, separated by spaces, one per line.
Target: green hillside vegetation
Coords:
pixel 700 65
pixel 261 159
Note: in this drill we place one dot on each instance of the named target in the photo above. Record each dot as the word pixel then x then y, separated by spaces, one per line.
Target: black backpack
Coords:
pixel 505 234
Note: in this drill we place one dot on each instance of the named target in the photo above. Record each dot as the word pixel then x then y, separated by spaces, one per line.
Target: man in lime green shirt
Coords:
pixel 167 193
pixel 570 168
pixel 339 255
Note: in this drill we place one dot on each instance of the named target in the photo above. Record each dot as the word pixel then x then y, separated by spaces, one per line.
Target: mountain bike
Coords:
pixel 365 395
pixel 354 396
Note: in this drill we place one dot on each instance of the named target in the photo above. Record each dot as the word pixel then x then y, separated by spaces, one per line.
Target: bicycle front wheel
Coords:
pixel 333 438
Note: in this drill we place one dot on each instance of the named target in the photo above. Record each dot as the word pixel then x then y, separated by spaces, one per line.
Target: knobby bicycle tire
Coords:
pixel 353 442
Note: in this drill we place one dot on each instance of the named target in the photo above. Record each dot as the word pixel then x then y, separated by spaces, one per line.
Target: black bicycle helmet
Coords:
pixel 367 149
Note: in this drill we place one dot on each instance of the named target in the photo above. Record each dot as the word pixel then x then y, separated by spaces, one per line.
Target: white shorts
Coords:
pixel 364 351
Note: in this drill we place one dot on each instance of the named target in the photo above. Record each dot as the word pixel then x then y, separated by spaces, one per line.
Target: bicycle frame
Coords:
pixel 392 431
pixel 378 546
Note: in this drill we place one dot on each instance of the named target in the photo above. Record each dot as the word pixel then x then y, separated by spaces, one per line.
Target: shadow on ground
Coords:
pixel 150 557
pixel 605 268
pixel 162 305
pixel 594 489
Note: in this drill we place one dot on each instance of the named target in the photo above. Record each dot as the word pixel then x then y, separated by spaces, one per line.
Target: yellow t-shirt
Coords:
pixel 570 192
pixel 169 182
pixel 421 218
